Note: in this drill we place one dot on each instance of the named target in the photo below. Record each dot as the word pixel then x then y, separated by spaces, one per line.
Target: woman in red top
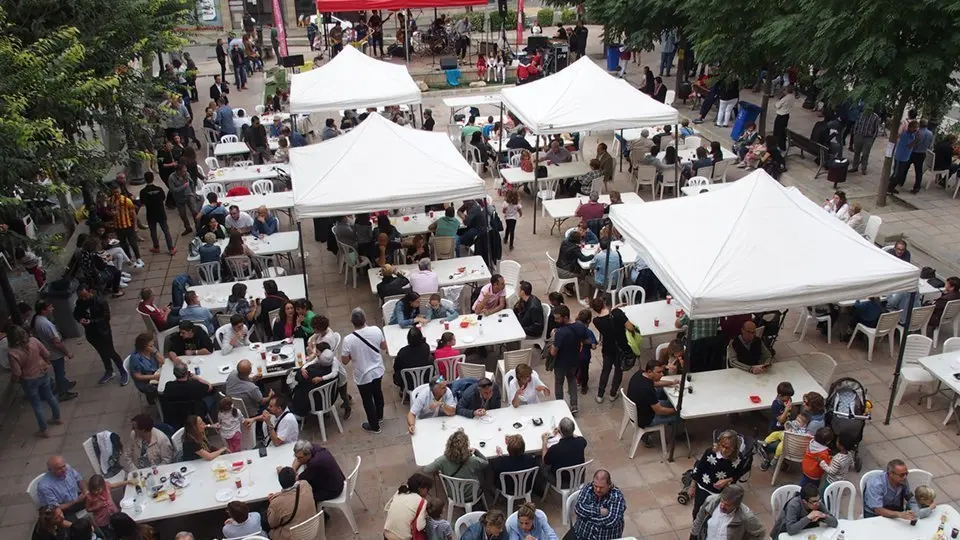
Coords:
pixel 445 350
pixel 286 324
pixel 30 364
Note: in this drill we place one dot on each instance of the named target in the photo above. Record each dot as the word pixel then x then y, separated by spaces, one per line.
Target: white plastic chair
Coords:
pixel 521 481
pixel 359 262
pixel 885 326
pixel 510 270
pixel 262 187
pixel 833 499
pixel 671 95
pixel 918 321
pixel 805 316
pixel 326 406
pixel 575 476
pixel 540 341
pixel 32 490
pixel 866 478
pixel 214 187
pixel 95 463
pixel 464 522
pixel 794 447
pixel 669 181
pixel 240 112
pixel 630 293
pixel 389 304
pixel 645 175
pixel 630 417
pixel 259 109
pixel 229 139
pixel 691 143
pixel 209 272
pixel 342 502
pixel 243 163
pixel 158 337
pixel 414 377
pixel 820 366
pixel 920 477
pixel 241 268
pixel 547 192
pixel 444 247
pixel 471 371
pixel 698 181
pixel 912 373
pixel 779 498
pixel 177 441
pixel 461 492
pixel 451 366
pixel 311 529
pixel 951 345
pixel 509 362
pixel 872 228
pixel 720 171
pixel 212 163
pixel 561 282
pixel 570 507
pixel 268 266
pixel 474 159
pixel 950 316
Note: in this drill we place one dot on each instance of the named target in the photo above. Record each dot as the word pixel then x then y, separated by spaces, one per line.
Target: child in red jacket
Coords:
pixel 817 451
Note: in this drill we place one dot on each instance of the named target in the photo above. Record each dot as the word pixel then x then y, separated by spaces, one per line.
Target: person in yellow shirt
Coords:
pixel 125 220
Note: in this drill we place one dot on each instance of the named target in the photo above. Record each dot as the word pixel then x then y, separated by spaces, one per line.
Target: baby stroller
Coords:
pixel 745 452
pixel 771 322
pixel 848 409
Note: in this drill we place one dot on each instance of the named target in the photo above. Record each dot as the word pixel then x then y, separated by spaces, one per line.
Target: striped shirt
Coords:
pixel 125 213
pixel 868 125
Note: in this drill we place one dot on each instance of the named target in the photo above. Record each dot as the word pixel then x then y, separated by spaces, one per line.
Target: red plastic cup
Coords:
pixel 172 494
pixel 669 299
pixel 237 482
pixel 406 218
pixel 656 322
pixel 263 355
pixel 678 313
pixel 446 325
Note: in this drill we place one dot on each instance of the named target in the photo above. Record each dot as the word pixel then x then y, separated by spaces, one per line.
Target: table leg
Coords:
pixel 930 395
pixel 952 409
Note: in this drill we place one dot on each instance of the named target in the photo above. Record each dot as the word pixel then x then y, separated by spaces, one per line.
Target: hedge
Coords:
pixel 510 21
pixel 568 16
pixel 545 17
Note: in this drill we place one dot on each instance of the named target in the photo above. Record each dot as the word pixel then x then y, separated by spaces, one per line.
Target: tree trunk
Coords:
pixel 681 62
pixel 893 126
pixel 765 88
pixel 9 298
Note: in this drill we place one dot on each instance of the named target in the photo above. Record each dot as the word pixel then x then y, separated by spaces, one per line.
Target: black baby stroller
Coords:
pixel 771 322
pixel 745 452
pixel 848 410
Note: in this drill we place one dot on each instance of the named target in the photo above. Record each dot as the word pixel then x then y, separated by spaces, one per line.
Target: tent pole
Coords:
pixel 896 370
pixel 683 384
pixel 406 38
pixel 421 115
pixel 500 135
pixel 676 170
pixel 621 150
pixel 326 41
pixel 536 188
pixel 303 261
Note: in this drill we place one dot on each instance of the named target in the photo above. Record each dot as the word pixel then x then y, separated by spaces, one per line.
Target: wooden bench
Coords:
pixel 795 139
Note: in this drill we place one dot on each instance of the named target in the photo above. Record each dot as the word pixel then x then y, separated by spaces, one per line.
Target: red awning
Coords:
pixel 327 6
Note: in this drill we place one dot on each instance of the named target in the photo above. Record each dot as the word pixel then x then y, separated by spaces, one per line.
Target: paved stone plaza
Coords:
pixel 650 484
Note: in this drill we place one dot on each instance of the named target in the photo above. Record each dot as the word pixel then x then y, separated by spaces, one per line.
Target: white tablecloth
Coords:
pixel 236 148
pixel 417 223
pixel 943 367
pixel 278 200
pixel 561 209
pixel 259 480
pixel 643 315
pixel 215 296
pixel 431 434
pixel 728 391
pixel 881 528
pixel 559 171
pixel 627 254
pixel 246 175
pixel 278 243
pixel 695 190
pixel 633 134
pixel 211 364
pixel 491 330
pixel 691 154
pixel 923 289
pixel 476 271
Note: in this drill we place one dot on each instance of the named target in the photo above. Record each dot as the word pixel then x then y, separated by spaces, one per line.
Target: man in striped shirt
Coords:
pixel 864 133
pixel 125 220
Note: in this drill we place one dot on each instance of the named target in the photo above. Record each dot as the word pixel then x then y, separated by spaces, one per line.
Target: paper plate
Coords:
pixel 224 495
pixel 287 350
pixel 126 503
pixel 243 492
pixel 468 339
pixel 226 368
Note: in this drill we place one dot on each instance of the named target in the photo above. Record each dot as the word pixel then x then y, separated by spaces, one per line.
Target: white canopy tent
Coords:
pixel 756 246
pixel 379 165
pixel 352 80
pixel 584 97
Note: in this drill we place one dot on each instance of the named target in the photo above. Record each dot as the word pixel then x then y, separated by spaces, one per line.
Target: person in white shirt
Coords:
pixel 838 206
pixel 239 221
pixel 429 401
pixel 783 106
pixel 524 386
pixel 280 424
pixel 363 347
pixel 233 335
pixel 724 517
pixel 424 280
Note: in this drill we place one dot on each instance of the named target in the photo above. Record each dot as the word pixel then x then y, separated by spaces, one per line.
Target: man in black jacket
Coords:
pixel 153 199
pixel 93 312
pixel 529 310
pixel 478 398
pixel 218 89
pixel 273 299
pixel 392 284
pixel 222 59
pixel 568 260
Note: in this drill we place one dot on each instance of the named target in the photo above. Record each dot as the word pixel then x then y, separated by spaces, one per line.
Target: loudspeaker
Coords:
pixel 537 42
pixel 448 63
pixel 502 8
pixel 488 49
pixel 294 60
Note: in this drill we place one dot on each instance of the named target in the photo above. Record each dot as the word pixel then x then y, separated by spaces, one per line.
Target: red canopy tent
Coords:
pixel 326 6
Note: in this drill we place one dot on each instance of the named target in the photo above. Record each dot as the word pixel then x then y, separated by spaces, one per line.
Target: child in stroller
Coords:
pixel 728 460
pixel 848 410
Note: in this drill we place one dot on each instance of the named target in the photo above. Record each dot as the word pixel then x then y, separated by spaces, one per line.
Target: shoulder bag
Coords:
pixel 414 533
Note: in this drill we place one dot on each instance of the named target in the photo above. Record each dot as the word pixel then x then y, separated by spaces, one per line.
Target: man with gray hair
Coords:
pixel 889 495
pixel 639 148
pixel 724 516
pixel 184 535
pixel 566 452
pixel 592 209
pixel 600 508
pixel 320 470
pixel 363 346
pixel 424 281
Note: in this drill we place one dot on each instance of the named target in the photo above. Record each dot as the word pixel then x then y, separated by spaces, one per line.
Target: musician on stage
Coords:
pixel 375 24
pixel 461 33
pixel 336 39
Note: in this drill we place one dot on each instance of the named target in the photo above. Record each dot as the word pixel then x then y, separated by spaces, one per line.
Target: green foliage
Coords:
pixel 568 16
pixel 510 21
pixel 545 17
pixel 476 19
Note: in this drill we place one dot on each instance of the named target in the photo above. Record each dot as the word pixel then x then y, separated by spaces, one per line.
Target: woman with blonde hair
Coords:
pixel 720 466
pixel 529 522
pixel 490 527
pixel 458 460
pixel 855 219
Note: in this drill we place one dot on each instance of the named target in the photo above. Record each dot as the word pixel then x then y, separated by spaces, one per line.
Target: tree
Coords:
pixel 887 54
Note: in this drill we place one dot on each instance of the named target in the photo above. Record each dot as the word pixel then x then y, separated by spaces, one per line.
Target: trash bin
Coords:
pixel 837 171
pixel 62 293
pixel 748 112
pixel 613 57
